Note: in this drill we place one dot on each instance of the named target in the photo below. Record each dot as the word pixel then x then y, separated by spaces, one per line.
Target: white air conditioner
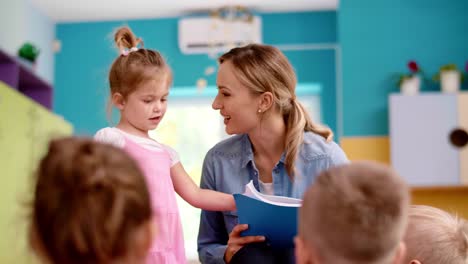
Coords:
pixel 213 35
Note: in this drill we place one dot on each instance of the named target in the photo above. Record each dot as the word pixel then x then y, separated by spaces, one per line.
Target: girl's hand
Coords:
pixel 236 242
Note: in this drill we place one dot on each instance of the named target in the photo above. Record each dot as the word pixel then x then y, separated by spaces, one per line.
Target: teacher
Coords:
pixel 275 144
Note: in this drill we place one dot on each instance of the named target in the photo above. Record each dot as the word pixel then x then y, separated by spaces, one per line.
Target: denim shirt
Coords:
pixel 229 166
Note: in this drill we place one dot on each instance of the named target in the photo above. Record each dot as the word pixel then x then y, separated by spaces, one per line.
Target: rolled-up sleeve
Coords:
pixel 212 234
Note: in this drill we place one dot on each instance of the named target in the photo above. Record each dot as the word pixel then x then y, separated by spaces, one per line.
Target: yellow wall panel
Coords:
pixel 367 148
pixel 453 199
pixel 25 129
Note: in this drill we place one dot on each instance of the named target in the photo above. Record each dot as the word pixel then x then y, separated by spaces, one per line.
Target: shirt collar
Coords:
pixel 247 153
pixel 283 157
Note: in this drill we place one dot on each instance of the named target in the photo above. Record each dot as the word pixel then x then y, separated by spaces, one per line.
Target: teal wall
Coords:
pixel 378 38
pixel 87 52
pixel 310 65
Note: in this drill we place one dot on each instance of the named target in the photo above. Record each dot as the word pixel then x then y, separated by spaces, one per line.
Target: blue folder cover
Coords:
pixel 277 223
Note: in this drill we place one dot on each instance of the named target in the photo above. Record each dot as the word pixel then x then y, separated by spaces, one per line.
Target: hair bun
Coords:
pixel 90 175
pixel 125 39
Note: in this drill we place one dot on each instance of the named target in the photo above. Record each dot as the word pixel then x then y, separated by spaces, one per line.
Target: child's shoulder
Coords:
pixel 110 135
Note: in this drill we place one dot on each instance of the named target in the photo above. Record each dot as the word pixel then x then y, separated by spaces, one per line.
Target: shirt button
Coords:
pixel 255 173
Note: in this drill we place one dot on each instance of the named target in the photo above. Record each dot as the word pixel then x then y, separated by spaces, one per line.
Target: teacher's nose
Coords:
pixel 216 105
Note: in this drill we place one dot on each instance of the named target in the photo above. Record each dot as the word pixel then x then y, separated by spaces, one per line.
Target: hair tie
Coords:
pixel 125 52
pixel 293 99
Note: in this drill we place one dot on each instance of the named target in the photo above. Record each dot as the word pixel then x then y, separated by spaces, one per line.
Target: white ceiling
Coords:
pixel 101 10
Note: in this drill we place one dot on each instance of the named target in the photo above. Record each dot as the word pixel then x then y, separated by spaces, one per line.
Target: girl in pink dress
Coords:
pixel 139 86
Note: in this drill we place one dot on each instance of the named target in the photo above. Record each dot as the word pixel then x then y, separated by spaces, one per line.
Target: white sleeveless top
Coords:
pixel 116 137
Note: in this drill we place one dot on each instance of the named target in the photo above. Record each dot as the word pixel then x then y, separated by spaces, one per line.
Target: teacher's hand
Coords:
pixel 236 242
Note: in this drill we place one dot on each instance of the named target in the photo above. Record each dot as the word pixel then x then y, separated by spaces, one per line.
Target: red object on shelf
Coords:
pixel 413 66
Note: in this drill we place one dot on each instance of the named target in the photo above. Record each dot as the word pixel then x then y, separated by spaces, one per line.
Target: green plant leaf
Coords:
pixel 29 52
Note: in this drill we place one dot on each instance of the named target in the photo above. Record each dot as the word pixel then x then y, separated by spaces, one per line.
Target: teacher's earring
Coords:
pixel 259 110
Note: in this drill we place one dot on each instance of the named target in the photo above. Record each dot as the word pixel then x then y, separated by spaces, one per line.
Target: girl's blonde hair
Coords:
pixel 90 204
pixel 135 65
pixel 263 68
pixel 435 236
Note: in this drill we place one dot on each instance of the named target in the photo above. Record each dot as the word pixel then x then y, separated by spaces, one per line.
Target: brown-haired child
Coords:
pixel 354 213
pixel 90 205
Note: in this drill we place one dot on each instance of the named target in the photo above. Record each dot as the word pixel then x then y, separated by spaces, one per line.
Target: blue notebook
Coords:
pixel 274 217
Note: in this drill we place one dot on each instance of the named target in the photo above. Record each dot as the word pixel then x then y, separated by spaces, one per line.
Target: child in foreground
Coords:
pixel 90 205
pixel 435 237
pixel 354 213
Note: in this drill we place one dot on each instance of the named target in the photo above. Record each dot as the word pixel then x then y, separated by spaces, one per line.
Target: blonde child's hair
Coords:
pixel 435 236
pixel 135 65
pixel 263 68
pixel 355 213
pixel 90 205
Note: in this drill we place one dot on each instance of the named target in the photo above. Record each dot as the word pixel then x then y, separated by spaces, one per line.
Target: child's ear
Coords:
pixel 401 255
pixel 143 238
pixel 118 100
pixel 302 252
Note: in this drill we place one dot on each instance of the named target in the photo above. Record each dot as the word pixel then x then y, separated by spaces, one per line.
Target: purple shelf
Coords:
pixel 19 77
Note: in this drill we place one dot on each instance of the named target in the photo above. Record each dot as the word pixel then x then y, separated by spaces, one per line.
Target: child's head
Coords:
pixel 435 237
pixel 355 213
pixel 269 77
pixel 139 82
pixel 90 205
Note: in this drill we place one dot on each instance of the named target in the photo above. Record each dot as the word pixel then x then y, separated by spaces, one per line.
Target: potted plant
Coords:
pixel 410 83
pixel 449 77
pixel 28 53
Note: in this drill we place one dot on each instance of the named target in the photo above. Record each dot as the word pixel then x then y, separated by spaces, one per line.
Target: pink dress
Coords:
pixel 168 245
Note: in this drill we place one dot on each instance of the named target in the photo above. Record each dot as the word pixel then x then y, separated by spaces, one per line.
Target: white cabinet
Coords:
pixel 428 138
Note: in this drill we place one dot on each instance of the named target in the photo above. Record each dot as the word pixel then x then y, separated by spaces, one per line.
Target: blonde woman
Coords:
pixel 276 144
